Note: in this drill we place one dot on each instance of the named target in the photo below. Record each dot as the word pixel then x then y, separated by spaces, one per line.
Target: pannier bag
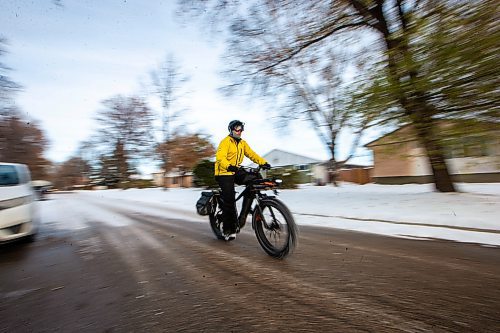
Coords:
pixel 204 203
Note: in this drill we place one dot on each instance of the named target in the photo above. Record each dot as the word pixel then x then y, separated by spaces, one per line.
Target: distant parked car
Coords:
pixel 41 187
pixel 18 210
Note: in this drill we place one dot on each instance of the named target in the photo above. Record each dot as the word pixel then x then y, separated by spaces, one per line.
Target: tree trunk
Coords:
pixel 332 172
pixel 435 152
pixel 166 165
pixel 121 163
pixel 332 164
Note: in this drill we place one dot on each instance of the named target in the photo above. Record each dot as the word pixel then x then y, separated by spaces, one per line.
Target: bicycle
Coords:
pixel 272 221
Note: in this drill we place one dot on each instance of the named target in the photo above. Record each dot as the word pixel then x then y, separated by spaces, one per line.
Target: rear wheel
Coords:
pixel 215 218
pixel 275 228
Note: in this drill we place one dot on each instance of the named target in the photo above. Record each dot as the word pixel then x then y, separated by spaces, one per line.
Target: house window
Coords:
pixel 302 167
pixel 475 147
pixel 455 150
pixel 466 147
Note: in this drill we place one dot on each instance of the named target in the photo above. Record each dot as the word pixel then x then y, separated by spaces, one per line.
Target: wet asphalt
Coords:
pixel 157 274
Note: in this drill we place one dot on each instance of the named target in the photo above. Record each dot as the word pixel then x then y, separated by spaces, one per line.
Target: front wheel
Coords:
pixel 275 228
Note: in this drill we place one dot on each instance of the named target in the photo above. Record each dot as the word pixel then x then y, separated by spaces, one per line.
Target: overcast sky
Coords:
pixel 70 58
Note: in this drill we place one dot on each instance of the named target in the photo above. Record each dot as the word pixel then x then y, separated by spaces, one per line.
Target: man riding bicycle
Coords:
pixel 230 154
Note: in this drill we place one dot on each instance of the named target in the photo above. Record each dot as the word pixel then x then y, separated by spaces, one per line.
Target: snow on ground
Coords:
pixel 472 215
pixel 74 214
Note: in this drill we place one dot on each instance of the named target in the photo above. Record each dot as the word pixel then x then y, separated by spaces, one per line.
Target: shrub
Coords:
pixel 204 174
pixel 290 177
pixel 136 183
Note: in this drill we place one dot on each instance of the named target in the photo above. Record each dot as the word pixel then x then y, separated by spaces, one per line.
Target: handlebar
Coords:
pixel 259 182
pixel 250 169
pixel 254 170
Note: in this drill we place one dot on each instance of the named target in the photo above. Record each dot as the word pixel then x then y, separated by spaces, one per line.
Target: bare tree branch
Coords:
pixel 323 34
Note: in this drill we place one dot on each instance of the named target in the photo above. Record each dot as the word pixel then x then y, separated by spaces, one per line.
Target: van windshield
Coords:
pixel 8 175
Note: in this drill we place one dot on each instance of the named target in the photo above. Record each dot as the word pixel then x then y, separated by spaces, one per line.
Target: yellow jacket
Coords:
pixel 231 152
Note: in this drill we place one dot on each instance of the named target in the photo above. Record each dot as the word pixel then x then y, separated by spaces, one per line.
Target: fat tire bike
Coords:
pixel 272 221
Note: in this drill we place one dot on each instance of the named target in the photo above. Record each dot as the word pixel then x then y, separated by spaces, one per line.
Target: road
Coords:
pixel 102 266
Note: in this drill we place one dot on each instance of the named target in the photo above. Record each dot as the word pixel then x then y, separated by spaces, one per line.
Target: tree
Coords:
pixel 406 35
pixel 451 69
pixel 316 90
pixel 186 151
pixel 167 81
pixel 23 141
pixel 88 153
pixel 125 133
pixel 7 86
pixel 70 173
pixel 456 58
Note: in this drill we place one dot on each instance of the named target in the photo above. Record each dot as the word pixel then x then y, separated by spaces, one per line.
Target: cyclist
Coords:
pixel 230 153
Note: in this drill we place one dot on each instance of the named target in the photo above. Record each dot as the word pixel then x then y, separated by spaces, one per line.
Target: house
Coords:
pixel 316 171
pixel 173 179
pixel 400 159
pixel 303 164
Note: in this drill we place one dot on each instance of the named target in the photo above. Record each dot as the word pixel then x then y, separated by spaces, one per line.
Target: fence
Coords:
pixel 356 175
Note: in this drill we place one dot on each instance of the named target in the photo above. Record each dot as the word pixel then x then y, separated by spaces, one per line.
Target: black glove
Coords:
pixel 232 168
pixel 265 166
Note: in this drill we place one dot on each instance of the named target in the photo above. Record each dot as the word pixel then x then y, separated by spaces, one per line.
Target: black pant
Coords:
pixel 229 215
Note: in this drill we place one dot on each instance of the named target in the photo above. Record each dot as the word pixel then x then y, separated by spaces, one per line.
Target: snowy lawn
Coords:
pixel 473 215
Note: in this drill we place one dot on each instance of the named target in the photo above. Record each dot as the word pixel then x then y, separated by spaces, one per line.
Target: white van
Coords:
pixel 18 213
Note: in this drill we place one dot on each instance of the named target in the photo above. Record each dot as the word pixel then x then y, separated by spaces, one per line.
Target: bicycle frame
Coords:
pixel 249 195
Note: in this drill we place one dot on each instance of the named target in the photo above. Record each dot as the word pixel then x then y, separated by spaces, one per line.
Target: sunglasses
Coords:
pixel 238 130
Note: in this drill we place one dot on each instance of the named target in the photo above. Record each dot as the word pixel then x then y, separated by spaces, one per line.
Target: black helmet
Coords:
pixel 235 123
